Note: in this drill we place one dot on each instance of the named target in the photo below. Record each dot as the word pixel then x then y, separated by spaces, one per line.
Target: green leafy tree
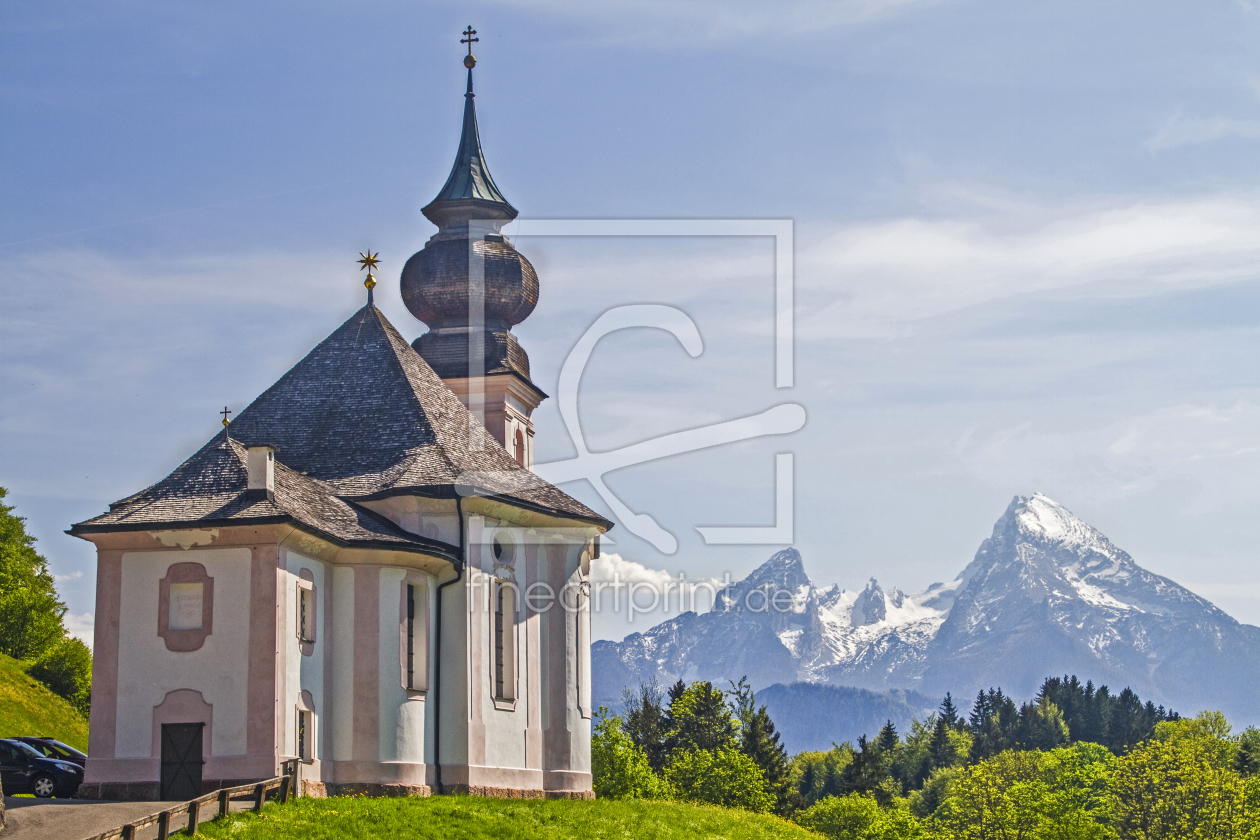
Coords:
pixel 723 776
pixel 619 769
pixel 30 611
pixel 859 817
pixel 994 799
pixel 924 802
pixel 816 775
pixel 66 669
pixel 1176 788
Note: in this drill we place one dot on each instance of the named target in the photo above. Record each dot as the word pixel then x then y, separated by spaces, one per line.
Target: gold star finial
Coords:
pixel 368 261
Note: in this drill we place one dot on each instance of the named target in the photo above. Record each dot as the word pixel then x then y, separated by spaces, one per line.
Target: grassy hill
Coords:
pixel 451 817
pixel 28 708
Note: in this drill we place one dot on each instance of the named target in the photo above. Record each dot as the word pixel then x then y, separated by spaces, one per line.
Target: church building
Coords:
pixel 359 571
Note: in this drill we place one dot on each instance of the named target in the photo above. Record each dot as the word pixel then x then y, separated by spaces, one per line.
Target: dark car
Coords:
pixel 52 748
pixel 24 770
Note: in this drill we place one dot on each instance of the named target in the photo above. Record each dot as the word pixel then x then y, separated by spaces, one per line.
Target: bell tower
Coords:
pixel 471 286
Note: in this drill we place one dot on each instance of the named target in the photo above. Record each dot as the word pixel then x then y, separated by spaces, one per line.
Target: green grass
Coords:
pixel 458 817
pixel 28 708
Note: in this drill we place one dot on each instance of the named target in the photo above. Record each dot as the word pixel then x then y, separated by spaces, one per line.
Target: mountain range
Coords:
pixel 1045 595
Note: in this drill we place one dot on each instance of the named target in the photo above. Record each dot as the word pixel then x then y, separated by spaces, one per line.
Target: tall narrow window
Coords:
pixel 305 734
pixel 498 640
pixel 411 636
pixel 503 640
pixel 306 612
pixel 520 447
pixel 413 644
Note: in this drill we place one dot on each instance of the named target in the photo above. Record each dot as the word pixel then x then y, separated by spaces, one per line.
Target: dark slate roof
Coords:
pixel 362 416
pixel 469 176
pixel 209 490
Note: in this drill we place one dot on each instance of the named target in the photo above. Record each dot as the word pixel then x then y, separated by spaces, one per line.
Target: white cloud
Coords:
pixel 81 626
pixel 883 277
pixel 613 568
pixel 68 578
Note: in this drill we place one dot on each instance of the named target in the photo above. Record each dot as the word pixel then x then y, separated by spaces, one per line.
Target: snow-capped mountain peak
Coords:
pixel 1045 594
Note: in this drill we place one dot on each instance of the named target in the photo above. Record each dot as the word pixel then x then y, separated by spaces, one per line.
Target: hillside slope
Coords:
pixel 28 708
pixel 471 817
pixel 1046 594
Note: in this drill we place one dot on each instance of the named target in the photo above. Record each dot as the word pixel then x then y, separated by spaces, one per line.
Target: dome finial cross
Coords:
pixel 469 60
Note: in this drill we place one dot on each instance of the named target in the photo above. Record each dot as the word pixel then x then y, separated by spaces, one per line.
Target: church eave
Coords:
pixel 415 545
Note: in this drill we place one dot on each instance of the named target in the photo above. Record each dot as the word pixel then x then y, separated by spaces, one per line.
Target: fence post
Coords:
pixel 260 796
pixel 128 832
pixel 164 825
pixel 285 784
pixel 194 809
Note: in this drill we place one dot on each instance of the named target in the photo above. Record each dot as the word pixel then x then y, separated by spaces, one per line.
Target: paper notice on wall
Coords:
pixel 185 607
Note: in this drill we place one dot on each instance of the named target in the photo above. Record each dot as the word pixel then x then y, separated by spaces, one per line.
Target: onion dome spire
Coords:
pixel 470 191
pixel 457 296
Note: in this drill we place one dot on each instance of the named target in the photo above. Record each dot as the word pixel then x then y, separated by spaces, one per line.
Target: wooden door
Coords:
pixel 181 761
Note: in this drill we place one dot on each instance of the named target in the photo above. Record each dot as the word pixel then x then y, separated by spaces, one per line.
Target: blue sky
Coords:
pixel 1027 250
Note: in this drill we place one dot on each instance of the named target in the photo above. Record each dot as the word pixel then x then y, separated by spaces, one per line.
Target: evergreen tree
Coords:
pixel 867 773
pixel 887 741
pixel 949 713
pixel 1129 722
pixel 759 741
pixel 646 724
pixel 700 720
pixel 941 749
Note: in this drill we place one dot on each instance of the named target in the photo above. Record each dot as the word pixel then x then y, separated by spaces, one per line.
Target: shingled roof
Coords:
pixel 208 490
pixel 363 416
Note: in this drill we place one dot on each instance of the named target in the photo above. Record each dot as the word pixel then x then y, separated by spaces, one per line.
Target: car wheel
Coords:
pixel 43 786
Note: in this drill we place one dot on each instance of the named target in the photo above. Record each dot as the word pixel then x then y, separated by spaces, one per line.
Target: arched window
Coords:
pixel 520 447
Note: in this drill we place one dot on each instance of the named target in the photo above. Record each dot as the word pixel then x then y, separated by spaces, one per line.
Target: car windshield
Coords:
pixel 26 748
pixel 64 750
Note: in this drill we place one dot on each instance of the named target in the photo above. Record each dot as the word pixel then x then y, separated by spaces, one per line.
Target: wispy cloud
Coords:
pixel 1179 130
pixel 81 626
pixel 68 578
pixel 717 22
pixel 883 277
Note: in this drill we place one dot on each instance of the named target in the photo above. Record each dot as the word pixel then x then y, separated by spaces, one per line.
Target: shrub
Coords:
pixel 721 777
pixel 620 770
pixel 859 817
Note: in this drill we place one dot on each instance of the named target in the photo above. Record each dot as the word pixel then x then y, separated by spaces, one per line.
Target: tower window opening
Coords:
pixel 519 446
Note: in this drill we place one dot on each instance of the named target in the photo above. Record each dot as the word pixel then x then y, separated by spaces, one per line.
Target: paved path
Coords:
pixel 71 819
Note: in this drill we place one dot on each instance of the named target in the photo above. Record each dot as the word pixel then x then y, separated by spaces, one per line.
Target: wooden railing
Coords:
pixel 187 815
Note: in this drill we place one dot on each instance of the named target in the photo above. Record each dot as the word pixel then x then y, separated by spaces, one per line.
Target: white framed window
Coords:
pixel 503 640
pixel 305 610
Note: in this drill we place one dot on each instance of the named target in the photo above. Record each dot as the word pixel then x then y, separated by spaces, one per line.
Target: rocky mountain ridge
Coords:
pixel 1045 595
